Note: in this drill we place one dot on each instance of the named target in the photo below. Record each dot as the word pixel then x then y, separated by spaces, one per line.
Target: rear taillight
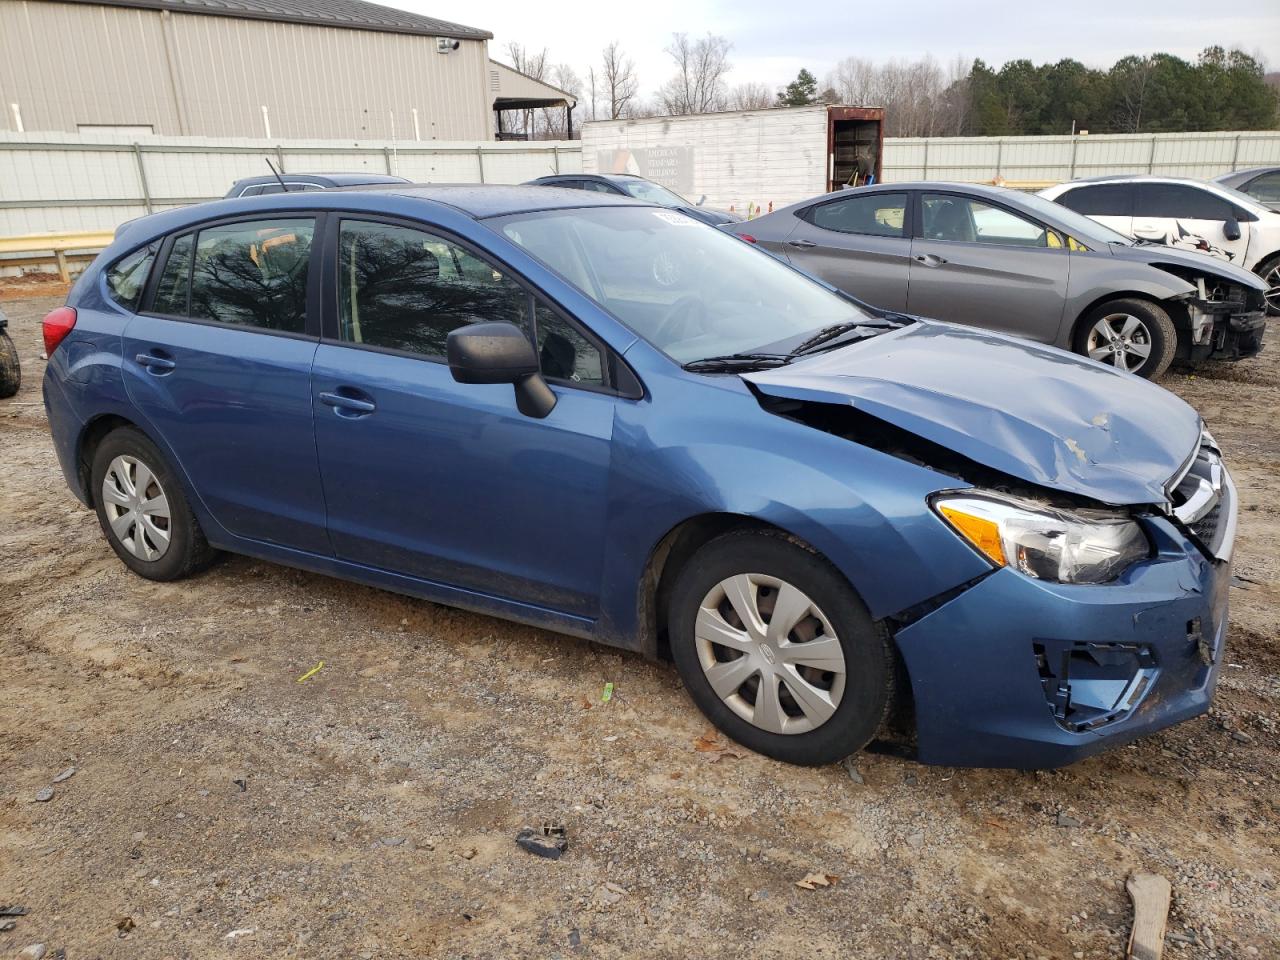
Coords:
pixel 747 237
pixel 56 327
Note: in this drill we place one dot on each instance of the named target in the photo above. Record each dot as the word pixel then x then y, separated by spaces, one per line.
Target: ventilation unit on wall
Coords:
pixel 447 44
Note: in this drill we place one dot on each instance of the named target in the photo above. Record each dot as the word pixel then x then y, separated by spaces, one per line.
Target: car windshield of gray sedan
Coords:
pixel 692 291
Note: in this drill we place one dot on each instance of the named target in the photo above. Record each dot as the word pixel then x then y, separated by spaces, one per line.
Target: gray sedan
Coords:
pixel 1020 264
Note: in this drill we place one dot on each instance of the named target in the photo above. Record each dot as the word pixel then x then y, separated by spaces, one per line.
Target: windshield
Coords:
pixel 689 289
pixel 651 192
pixel 1077 224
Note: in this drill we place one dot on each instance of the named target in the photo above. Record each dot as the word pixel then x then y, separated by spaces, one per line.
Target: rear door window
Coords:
pixel 1102 200
pixel 172 292
pixel 875 214
pixel 248 274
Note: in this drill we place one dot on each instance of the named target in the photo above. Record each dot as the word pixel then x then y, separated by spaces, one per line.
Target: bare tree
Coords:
pixel 749 96
pixel 618 80
pixel 531 65
pixel 919 99
pixel 699 84
pixel 1131 78
pixel 552 123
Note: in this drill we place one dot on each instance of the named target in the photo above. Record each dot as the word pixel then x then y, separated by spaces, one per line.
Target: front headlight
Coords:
pixel 1086 546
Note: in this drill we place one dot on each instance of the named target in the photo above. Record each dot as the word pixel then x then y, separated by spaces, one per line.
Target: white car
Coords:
pixel 1190 214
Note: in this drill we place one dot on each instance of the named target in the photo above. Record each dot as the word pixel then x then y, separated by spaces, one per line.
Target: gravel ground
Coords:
pixel 220 808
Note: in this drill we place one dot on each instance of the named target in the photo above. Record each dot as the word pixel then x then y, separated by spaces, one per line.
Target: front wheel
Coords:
pixel 778 651
pixel 1133 335
pixel 1269 271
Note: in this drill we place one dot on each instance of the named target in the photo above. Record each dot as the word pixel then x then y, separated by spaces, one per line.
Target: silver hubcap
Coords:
pixel 1120 339
pixel 770 654
pixel 1272 279
pixel 137 508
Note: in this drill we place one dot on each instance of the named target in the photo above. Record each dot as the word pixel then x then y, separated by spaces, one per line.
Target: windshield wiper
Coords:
pixel 834 332
pixel 737 361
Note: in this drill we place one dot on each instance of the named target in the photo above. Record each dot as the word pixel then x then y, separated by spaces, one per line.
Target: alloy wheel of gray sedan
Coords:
pixel 1121 340
pixel 137 507
pixel 770 653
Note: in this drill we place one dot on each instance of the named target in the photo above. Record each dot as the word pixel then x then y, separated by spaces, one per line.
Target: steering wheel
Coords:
pixel 686 313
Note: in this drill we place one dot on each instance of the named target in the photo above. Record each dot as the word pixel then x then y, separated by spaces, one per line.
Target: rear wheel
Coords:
pixel 1133 335
pixel 1269 271
pixel 778 651
pixel 10 371
pixel 143 511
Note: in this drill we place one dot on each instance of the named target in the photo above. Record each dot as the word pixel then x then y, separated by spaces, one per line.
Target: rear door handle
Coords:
pixel 931 260
pixel 345 404
pixel 155 364
pixel 801 244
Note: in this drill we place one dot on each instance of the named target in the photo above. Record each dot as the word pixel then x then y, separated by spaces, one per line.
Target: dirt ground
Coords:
pixel 220 808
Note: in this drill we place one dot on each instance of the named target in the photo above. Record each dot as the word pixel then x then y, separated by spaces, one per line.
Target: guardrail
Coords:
pixel 40 248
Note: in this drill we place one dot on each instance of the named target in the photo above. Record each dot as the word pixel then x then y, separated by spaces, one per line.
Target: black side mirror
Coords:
pixel 1231 229
pixel 500 353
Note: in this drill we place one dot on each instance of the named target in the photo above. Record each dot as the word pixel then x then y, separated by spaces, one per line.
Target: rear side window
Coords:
pixel 875 214
pixel 1176 201
pixel 127 277
pixel 1103 200
pixel 405 289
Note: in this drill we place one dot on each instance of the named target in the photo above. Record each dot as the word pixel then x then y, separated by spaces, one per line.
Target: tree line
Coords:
pixel 1157 93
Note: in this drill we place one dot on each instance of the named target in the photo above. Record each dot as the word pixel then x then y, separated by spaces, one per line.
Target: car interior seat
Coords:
pixel 948 220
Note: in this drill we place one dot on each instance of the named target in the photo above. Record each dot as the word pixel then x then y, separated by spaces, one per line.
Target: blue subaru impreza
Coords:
pixel 607 419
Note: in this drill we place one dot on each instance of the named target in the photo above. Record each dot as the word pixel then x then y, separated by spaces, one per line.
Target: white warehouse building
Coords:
pixel 289 69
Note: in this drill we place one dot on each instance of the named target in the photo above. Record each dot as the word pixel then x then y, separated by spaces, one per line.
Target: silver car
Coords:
pixel 1022 265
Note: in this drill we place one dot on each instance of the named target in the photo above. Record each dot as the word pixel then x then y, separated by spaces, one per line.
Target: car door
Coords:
pixel 219 363
pixel 1111 204
pixel 445 481
pixel 859 243
pixel 1189 217
pixel 977 262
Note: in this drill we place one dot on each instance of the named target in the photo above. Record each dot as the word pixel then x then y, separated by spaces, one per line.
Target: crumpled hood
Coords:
pixel 1036 413
pixel 1156 254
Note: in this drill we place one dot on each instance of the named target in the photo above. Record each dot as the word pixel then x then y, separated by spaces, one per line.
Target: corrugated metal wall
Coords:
pixel 69 64
pixel 54 183
pixel 1053 159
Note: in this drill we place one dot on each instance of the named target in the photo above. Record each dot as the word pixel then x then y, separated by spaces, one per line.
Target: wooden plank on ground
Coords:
pixel 1150 895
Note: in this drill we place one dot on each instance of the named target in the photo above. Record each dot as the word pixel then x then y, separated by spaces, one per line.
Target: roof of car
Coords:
pixel 497 200
pixel 1247 174
pixel 1130 178
pixel 351 14
pixel 324 179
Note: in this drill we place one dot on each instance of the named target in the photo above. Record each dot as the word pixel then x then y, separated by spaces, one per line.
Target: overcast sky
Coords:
pixel 773 39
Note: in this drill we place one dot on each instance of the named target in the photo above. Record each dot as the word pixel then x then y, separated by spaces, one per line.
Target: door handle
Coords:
pixel 931 260
pixel 154 364
pixel 801 244
pixel 345 405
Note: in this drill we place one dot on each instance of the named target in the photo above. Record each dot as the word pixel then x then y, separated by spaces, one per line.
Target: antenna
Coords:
pixel 279 179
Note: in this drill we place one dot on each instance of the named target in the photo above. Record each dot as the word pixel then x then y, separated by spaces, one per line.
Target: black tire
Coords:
pixel 866 646
pixel 188 551
pixel 1269 270
pixel 10 371
pixel 1155 321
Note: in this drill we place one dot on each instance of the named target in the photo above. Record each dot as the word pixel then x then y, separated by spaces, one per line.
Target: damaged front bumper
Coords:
pixel 1024 673
pixel 1224 329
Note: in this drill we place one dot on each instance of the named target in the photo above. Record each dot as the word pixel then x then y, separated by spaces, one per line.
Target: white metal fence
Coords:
pixel 55 183
pixel 1036 160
